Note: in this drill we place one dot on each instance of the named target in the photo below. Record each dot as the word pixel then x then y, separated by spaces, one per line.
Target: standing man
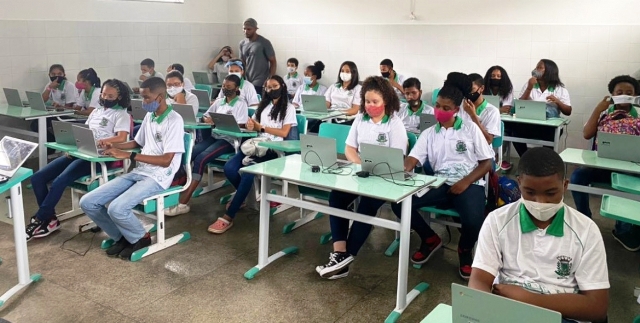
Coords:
pixel 258 56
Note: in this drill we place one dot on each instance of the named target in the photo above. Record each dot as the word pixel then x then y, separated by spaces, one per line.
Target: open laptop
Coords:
pixel 317 105
pixel 470 305
pixel 616 146
pixel 137 112
pixel 201 78
pixel 320 151
pixel 427 121
pixel 384 161
pixel 493 100
pixel 37 103
pixel 527 109
pixel 226 122
pixel 13 153
pixel 86 142
pixel 203 98
pixel 187 114
pixel 13 97
pixel 63 131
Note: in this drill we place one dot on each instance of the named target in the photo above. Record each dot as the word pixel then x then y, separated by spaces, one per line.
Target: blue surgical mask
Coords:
pixel 307 80
pixel 151 107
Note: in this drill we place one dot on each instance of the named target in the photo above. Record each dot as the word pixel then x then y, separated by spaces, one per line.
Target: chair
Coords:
pixel 497 146
pixel 157 204
pixel 205 87
pixel 434 96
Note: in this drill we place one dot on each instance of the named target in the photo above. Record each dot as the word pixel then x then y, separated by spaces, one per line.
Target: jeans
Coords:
pixel 206 151
pixel 469 204
pixel 359 232
pixel 136 128
pixel 313 125
pixel 124 193
pixel 523 130
pixel 61 172
pixel 242 182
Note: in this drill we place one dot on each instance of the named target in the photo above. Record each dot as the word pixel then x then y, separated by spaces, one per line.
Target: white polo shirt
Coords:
pixel 107 122
pixel 410 119
pixel 389 132
pixel 559 92
pixel 238 108
pixel 220 71
pixel 341 98
pixel 319 89
pixel 188 85
pixel 452 153
pixel 65 93
pixel 566 257
pixel 293 82
pixel 266 121
pixel 508 100
pixel 489 116
pixel 400 80
pixel 247 93
pixel 158 136
pixel 190 98
pixel 90 99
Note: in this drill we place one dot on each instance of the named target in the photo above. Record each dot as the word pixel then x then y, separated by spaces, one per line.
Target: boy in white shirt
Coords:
pixel 414 107
pixel 293 79
pixel 188 85
pixel 148 69
pixel 479 111
pixel 396 80
pixel 541 251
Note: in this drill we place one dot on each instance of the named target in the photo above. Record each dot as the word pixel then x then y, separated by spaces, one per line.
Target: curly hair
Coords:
pixel 504 89
pixel 624 79
pixel 124 100
pixel 279 110
pixel 384 88
pixel 455 87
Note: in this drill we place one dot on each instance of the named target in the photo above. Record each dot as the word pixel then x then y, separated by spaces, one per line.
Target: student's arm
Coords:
pixel 353 110
pixel 162 160
pixel 355 102
pixel 327 95
pixel 481 280
pixel 212 63
pixel 591 127
pixel 470 109
pixel 46 94
pixel 180 98
pixel 351 148
pixel 297 98
pixel 125 145
pixel 410 164
pixel 282 133
pixel 85 112
pixel 271 56
pixel 121 136
pixel 487 262
pixel 352 154
pixel 561 100
pixel 526 92
pixel 419 153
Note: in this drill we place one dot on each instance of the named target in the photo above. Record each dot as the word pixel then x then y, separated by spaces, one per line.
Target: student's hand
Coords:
pixel 253 125
pixel 392 77
pixel 56 105
pixel 54 85
pixel 207 119
pixel 104 144
pixel 505 110
pixel 511 291
pixel 469 107
pixel 459 187
pixel 604 104
pixel 143 77
pixel 67 155
pixel 180 96
pixel 553 99
pixel 117 153
pixel 532 81
pixel 136 90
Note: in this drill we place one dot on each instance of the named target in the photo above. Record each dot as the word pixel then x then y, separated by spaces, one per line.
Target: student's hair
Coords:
pixel 455 87
pixel 221 49
pixel 178 67
pixel 541 162
pixel 279 110
pixel 382 86
pixel 476 79
pixel 237 62
pixel 551 73
pixel 90 75
pixel 624 79
pixel 412 82
pixel 293 60
pixel 123 91
pixel 234 79
pixel 154 84
pixel 505 88
pixel 355 78
pixel 176 74
pixel 316 69
pixel 57 67
pixel 148 62
pixel 387 62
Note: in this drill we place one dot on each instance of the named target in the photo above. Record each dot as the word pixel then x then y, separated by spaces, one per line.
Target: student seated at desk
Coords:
pixel 188 85
pixel 311 86
pixel 177 93
pixel 345 94
pixel 611 118
pixel 376 119
pixel 396 80
pixel 541 251
pixel 411 110
pixel 293 79
pixel 162 143
pixel 217 64
pixel 457 150
pixel 480 111
pixel 275 119
pixel 110 122
pixel 147 69
pixel 89 99
pixel 247 90
pixel 497 83
pixel 214 145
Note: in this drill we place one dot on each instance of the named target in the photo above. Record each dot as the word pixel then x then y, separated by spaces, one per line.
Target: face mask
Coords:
pixel 57 79
pixel 624 99
pixel 172 91
pixel 147 74
pixel 386 74
pixel 238 74
pixel 274 94
pixel 229 93
pixel 225 58
pixel 108 103
pixel 307 80
pixel 537 74
pixel 473 96
pixel 345 77
pixel 79 86
pixel 443 116
pixel 494 82
pixel 151 107
pixel 542 211
pixel 291 69
pixel 374 111
pixel 414 103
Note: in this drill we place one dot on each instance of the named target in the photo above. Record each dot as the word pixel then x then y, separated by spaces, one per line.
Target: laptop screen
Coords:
pixel 13 153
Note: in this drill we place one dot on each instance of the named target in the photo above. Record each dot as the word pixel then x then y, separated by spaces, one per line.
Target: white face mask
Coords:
pixel 225 58
pixel 345 77
pixel 291 69
pixel 542 211
pixel 624 99
pixel 172 91
pixel 236 74
pixel 147 74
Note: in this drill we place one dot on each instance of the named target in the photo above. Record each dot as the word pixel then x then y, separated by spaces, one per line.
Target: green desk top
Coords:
pixel 292 169
pixel 19 176
pixel 552 122
pixel 28 113
pixel 620 209
pixel 589 158
pixel 287 146
pixel 95 159
pixel 60 147
pixel 443 313
pixel 321 115
pixel 625 183
pixel 236 134
pixel 197 126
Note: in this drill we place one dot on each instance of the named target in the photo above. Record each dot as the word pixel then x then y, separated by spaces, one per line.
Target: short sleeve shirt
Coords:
pixel 341 98
pixel 411 119
pixel 237 108
pixel 89 99
pixel 489 116
pixel 319 89
pixel 389 132
pixel 559 92
pixel 293 82
pixel 256 56
pixel 106 123
pixel 247 93
pixel 266 121
pixel 65 93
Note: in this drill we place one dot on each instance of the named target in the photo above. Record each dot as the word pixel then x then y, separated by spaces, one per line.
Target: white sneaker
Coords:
pixel 177 210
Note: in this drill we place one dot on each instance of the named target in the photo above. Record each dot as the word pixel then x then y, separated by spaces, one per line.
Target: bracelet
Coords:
pixel 132 156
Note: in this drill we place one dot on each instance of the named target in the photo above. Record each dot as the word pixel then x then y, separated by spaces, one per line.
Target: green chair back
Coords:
pixel 339 132
pixel 412 140
pixel 205 87
pixel 302 124
pixel 497 141
pixel 434 96
pixel 252 111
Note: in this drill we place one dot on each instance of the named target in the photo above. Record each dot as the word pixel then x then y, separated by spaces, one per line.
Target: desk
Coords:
pixel 443 313
pixel 32 114
pixel 16 215
pixel 281 147
pixel 322 116
pixel 292 169
pixel 557 123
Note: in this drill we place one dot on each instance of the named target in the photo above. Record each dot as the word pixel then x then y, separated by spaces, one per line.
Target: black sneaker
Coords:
pixel 41 229
pixel 337 261
pixel 117 247
pixel 466 260
pixel 144 242
pixel 427 249
pixel 628 240
pixel 341 274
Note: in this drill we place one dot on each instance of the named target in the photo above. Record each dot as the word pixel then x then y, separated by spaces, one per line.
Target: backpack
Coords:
pixel 508 191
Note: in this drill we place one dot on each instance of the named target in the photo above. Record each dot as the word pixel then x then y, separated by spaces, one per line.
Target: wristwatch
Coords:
pixel 132 157
pixel 262 129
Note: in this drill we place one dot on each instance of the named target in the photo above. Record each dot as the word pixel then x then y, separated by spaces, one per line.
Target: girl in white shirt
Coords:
pixel 178 94
pixel 376 124
pixel 275 119
pixel 218 64
pixel 247 90
pixel 311 86
pixel 345 94
pixel 89 86
pixel 498 83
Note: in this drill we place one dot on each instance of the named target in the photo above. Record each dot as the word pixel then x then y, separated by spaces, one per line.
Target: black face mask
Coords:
pixel 274 94
pixel 57 79
pixel 473 96
pixel 494 82
pixel 414 103
pixel 108 103
pixel 228 93
pixel 386 74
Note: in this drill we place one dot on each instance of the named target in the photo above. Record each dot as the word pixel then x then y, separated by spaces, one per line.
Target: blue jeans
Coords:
pixel 206 151
pixel 136 128
pixel 61 172
pixel 469 204
pixel 242 182
pixel 359 232
pixel 124 193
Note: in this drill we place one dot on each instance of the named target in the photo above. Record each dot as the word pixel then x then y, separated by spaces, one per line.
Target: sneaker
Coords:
pixel 220 226
pixel 427 249
pixel 341 274
pixel 337 261
pixel 144 242
pixel 41 229
pixel 628 240
pixel 466 259
pixel 117 247
pixel 177 210
pixel 505 165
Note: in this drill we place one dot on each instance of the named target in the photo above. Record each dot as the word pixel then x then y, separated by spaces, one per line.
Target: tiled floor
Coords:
pixel 202 279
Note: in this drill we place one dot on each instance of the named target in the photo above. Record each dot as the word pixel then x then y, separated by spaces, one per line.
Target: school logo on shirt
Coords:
pixel 158 137
pixel 294 84
pixel 382 139
pixel 104 122
pixel 461 147
pixel 168 172
pixel 563 267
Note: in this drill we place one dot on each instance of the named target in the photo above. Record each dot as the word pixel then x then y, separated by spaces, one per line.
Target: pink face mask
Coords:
pixel 79 86
pixel 374 111
pixel 443 116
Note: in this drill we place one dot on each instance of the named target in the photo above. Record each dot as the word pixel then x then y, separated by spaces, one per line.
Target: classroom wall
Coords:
pixel 454 36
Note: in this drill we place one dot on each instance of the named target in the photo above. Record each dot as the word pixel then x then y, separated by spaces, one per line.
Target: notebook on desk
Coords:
pixel 618 146
pixel 320 151
pixel 13 153
pixel 527 109
pixel 13 97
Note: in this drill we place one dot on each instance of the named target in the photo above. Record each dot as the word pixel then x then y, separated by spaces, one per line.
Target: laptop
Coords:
pixel 493 100
pixel 37 103
pixel 320 151
pixel 203 98
pixel 384 161
pixel 201 78
pixel 63 131
pixel 470 305
pixel 13 153
pixel 187 114
pixel 137 112
pixel 226 122
pixel 616 146
pixel 140 82
pixel 317 105
pixel 86 142
pixel 527 109
pixel 13 97
pixel 427 121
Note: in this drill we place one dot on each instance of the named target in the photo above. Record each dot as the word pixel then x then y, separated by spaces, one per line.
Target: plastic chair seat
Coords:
pixel 434 210
pixel 625 183
pixel 621 209
pixel 315 193
pixel 85 183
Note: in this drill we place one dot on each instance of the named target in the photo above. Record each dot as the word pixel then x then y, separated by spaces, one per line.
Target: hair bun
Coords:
pixel 460 81
pixel 319 65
